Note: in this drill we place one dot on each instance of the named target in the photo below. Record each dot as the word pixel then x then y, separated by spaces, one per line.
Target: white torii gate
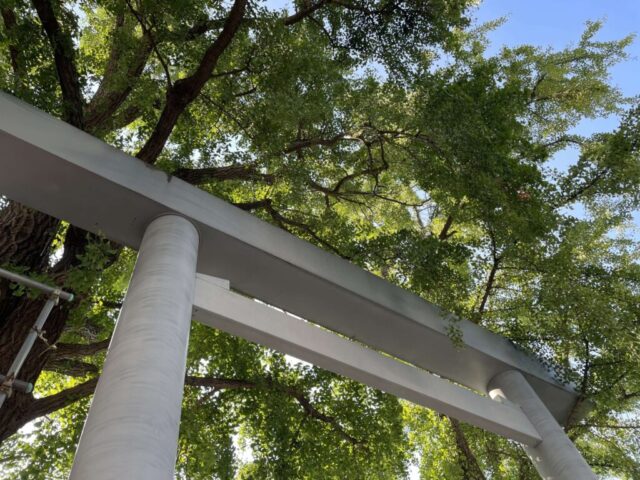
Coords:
pixel 132 427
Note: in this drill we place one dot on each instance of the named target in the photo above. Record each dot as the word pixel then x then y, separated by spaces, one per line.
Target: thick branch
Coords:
pixel 489 286
pixel 469 462
pixel 300 397
pixel 492 277
pixel 444 233
pixel 72 368
pixel 304 13
pixel 72 350
pixel 64 56
pixel 199 176
pixel 121 119
pixel 112 91
pixel 255 205
pixel 10 25
pixel 185 90
pixel 52 403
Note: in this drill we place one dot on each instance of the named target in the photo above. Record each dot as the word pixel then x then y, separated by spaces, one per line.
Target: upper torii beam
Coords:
pixel 60 170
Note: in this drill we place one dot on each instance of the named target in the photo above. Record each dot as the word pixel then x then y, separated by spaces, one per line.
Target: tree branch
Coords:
pixel 148 34
pixel 387 7
pixel 72 350
pixel 372 171
pixel 185 90
pixel 64 56
pixel 469 462
pixel 52 403
pixel 255 205
pixel 283 222
pixel 489 286
pixel 584 385
pixel 303 143
pixel 268 383
pixel 492 277
pixel 304 13
pixel 199 176
pixel 121 119
pixel 72 368
pixel 444 233
pixel 108 99
pixel 584 188
pixel 10 25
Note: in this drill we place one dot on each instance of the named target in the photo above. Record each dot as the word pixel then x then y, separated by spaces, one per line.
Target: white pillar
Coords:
pixel 131 431
pixel 555 457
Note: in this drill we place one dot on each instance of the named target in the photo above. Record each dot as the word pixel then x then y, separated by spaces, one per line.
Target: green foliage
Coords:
pixel 383 132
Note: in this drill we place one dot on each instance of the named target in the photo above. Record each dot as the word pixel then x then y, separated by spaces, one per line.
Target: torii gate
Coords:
pixel 132 427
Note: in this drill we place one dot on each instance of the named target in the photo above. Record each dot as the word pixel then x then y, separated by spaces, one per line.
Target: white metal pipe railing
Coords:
pixel 28 282
pixel 9 381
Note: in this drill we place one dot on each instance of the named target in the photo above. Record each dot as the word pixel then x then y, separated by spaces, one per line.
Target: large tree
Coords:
pixel 380 131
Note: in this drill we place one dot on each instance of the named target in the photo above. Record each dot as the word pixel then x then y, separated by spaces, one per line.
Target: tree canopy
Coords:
pixel 381 131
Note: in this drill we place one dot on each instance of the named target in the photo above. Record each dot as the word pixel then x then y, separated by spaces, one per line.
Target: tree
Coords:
pixel 379 131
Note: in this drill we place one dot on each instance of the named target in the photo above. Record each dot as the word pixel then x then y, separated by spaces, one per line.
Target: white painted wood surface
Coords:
pixel 131 431
pixel 221 308
pixel 53 167
pixel 556 457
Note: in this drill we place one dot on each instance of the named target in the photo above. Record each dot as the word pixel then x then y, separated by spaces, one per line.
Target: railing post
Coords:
pixel 555 457
pixel 131 431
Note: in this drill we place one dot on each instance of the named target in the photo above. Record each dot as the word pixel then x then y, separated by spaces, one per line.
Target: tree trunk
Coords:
pixel 25 241
pixel 18 324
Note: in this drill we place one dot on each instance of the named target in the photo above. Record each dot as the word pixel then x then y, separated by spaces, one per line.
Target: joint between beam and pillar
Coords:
pixel 555 457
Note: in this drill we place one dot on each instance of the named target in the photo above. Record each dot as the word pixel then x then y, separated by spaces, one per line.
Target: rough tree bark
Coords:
pixel 25 240
pixel 468 460
pixel 26 235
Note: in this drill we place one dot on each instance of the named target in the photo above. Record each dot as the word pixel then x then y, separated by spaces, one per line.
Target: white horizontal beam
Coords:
pixel 60 170
pixel 228 311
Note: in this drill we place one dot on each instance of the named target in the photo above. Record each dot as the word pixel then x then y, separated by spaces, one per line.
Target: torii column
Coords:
pixel 555 457
pixel 132 428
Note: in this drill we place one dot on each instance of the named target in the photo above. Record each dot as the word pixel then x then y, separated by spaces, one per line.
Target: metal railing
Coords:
pixel 9 381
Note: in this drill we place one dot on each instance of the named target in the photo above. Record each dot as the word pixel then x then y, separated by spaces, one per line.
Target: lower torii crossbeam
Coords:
pixel 132 426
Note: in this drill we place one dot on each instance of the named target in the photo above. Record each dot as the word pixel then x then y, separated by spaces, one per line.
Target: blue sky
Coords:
pixel 560 23
pixel 557 24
